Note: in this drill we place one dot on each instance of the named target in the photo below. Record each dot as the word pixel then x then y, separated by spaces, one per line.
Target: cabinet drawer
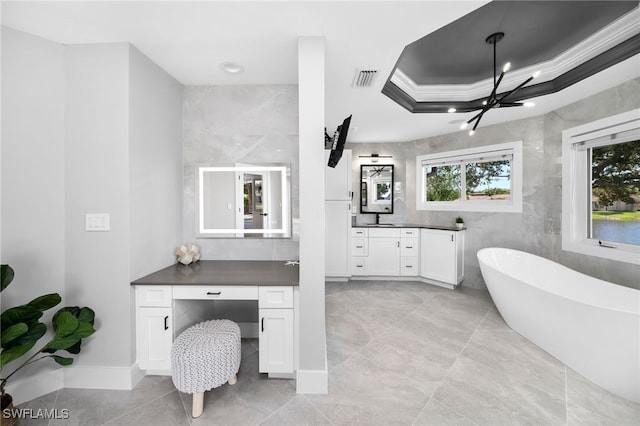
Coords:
pixel 409 266
pixel 409 247
pixel 359 247
pixel 410 233
pixel 153 295
pixel 210 292
pixel 384 232
pixel 275 297
pixel 360 232
pixel 358 266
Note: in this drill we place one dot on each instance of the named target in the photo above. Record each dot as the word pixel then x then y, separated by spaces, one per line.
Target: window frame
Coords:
pixel 576 188
pixel 513 205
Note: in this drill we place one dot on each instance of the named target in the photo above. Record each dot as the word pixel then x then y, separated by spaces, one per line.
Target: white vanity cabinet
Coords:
pixel 275 339
pixel 384 252
pixel 337 180
pixel 409 252
pixel 337 242
pixel 442 255
pixel 338 192
pixel 154 327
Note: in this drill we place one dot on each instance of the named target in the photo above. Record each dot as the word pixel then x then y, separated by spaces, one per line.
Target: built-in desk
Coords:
pixel 166 304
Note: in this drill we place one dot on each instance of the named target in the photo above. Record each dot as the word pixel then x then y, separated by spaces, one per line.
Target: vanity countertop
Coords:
pixel 409 225
pixel 225 272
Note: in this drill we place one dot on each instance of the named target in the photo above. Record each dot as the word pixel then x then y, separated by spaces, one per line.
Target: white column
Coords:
pixel 312 373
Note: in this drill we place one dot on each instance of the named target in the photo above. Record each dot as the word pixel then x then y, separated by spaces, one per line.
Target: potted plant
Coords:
pixel 459 222
pixel 21 330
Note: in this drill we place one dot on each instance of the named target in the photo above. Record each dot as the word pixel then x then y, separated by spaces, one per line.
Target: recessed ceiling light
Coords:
pixel 232 68
pixel 451 110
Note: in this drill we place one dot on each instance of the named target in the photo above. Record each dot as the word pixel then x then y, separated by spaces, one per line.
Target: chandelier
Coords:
pixel 494 100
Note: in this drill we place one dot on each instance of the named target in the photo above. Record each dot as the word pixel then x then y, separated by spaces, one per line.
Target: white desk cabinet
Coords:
pixel 154 327
pixel 158 321
pixel 442 255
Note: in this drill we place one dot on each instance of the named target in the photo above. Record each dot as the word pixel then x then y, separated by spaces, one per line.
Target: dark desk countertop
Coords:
pixel 225 272
pixel 409 225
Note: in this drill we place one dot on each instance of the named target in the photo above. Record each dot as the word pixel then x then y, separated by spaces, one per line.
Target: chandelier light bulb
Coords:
pixel 506 67
pixel 464 125
pixel 451 110
pixel 529 104
pixel 471 132
pixel 484 102
pixel 536 74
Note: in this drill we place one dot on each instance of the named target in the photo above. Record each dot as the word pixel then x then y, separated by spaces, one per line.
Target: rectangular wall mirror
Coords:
pixel 376 188
pixel 244 201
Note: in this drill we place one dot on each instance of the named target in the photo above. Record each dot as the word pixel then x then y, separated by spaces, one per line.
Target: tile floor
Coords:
pixel 400 353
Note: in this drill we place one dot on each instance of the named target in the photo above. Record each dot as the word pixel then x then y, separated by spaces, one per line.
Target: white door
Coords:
pixel 438 255
pixel 384 256
pixel 275 341
pixel 155 336
pixel 337 238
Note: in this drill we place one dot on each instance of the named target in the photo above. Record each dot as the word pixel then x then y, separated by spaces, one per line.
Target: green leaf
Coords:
pixel 83 330
pixel 24 313
pixel 65 324
pixel 74 310
pixel 13 353
pixel 62 360
pixel 65 342
pixel 6 276
pixel 13 332
pixel 36 331
pixel 74 349
pixel 86 315
pixel 45 302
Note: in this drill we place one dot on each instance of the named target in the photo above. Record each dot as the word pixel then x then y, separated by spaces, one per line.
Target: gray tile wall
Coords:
pixel 224 125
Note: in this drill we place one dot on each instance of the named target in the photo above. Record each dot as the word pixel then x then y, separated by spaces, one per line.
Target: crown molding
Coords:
pixel 608 38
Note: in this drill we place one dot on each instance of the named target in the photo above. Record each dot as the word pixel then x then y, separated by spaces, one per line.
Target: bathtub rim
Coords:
pixel 597 281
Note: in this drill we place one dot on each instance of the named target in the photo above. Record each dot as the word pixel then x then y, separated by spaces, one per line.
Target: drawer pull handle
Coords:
pixel 359 246
pixel 409 247
pixel 214 293
pixel 166 326
pixel 262 324
pixel 409 266
pixel 358 266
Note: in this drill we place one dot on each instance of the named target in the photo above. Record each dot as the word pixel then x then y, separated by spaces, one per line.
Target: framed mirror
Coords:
pixel 376 188
pixel 244 201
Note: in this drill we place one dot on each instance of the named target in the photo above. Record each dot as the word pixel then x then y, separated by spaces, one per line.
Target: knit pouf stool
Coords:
pixel 205 356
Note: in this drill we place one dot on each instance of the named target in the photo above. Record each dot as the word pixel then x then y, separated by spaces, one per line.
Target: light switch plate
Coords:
pixel 96 222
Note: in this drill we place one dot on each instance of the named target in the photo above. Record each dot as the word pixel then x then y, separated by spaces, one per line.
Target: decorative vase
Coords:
pixel 459 225
pixel 8 416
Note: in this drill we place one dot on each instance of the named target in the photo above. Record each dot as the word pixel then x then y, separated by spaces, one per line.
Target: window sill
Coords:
pixel 622 252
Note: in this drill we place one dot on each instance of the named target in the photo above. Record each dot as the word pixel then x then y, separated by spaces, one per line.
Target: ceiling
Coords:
pixel 190 40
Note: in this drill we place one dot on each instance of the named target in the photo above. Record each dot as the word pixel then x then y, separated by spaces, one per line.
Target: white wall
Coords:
pixel 155 166
pixel 32 171
pixel 97 181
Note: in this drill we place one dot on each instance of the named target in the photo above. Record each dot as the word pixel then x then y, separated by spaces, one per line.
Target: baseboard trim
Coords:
pixel 36 386
pixel 124 378
pixel 313 381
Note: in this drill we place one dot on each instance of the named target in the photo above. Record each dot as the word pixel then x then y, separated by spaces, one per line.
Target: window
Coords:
pixel 601 188
pixel 487 178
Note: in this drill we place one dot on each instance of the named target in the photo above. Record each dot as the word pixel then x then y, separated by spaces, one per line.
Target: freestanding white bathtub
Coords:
pixel 591 325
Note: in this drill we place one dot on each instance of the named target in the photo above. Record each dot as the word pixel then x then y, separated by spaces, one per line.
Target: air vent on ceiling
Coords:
pixel 364 78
